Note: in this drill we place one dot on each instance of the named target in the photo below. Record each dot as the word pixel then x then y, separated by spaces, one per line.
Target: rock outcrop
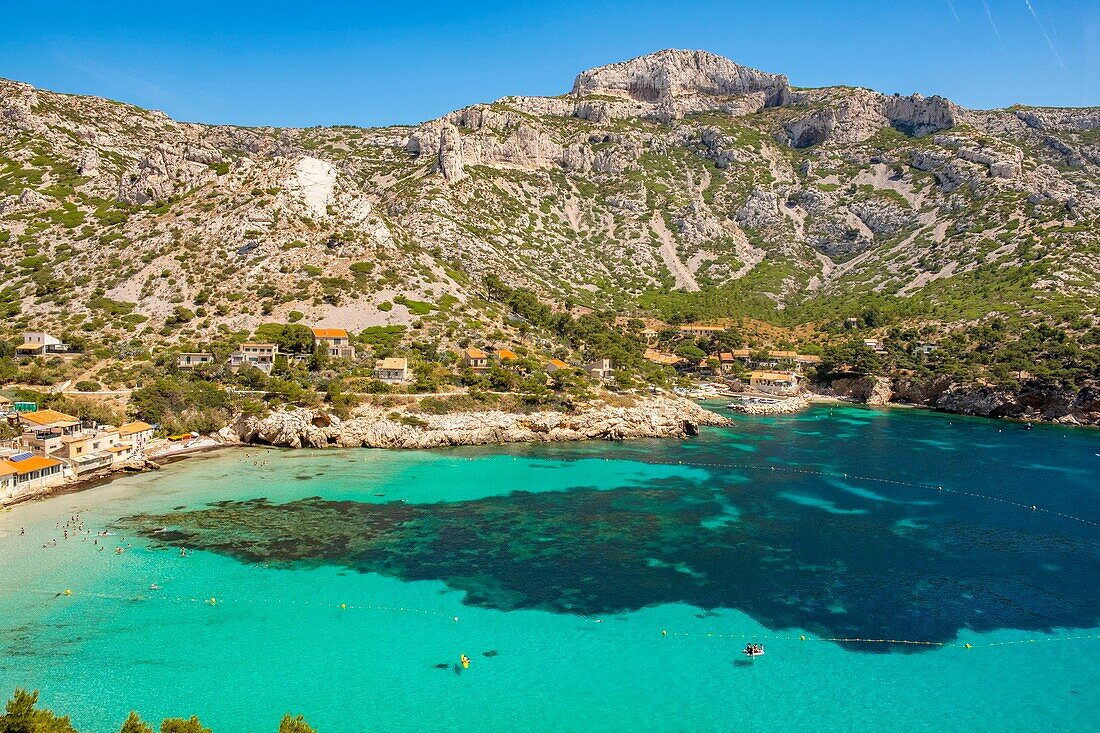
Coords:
pixel 678 79
pixel 859 114
pixel 1032 401
pixel 783 407
pixel 372 427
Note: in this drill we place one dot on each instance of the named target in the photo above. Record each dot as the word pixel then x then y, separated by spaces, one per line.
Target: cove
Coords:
pixel 338 576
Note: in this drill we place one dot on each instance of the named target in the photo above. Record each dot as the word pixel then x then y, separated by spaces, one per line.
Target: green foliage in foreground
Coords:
pixel 22 716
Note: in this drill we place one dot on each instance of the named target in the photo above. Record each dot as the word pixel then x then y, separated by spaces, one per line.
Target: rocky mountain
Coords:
pixel 676 171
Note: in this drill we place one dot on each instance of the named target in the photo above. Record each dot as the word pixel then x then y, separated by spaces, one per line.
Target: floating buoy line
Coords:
pixel 704 635
pixel 859 640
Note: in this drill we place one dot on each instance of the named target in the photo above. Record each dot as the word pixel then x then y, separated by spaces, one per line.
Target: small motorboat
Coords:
pixel 752 651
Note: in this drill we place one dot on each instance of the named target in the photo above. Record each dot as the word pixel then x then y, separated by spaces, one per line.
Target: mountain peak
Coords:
pixel 672 73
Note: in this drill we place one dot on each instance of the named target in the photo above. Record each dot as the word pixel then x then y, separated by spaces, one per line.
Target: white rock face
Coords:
pixel 861 113
pixel 314 182
pixel 665 76
pixel 653 417
pixel 88 165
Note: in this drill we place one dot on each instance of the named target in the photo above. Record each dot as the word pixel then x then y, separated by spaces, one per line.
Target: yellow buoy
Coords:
pixel 802 637
pixel 68 591
pixel 967 646
pixel 664 633
pixel 343 605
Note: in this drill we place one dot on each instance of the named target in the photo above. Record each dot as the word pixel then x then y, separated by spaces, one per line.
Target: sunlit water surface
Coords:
pixel 595 586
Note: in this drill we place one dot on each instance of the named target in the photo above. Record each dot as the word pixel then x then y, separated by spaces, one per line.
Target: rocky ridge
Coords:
pixel 680 169
pixel 376 427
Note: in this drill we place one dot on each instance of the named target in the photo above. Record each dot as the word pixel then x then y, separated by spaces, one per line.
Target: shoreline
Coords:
pixel 221 441
pixel 77 484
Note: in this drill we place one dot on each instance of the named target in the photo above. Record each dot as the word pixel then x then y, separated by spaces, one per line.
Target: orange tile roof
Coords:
pixel 7 469
pixel 34 463
pixel 558 363
pixel 472 353
pixel 133 427
pixel 330 333
pixel 48 417
pixel 506 354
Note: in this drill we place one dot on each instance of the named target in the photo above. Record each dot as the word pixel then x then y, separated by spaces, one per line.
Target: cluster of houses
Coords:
pixel 54 446
pixel 391 370
pixel 335 341
pixel 480 362
pixel 772 371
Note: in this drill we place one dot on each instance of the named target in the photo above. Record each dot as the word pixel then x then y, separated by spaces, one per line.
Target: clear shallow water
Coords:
pixel 614 543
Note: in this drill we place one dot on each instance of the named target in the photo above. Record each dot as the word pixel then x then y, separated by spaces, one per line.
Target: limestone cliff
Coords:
pixel 679 169
pixel 650 417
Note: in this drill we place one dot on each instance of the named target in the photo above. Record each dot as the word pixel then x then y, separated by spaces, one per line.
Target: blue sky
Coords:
pixel 283 63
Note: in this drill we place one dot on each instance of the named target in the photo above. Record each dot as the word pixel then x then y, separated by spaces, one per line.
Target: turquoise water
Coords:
pixel 565 563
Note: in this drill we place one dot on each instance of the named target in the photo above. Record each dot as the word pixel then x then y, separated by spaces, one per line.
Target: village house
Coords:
pixel 392 370
pixel 261 356
pixel 475 360
pixel 874 345
pixel 5 404
pixel 701 329
pixel 24 472
pixel 93 449
pixel 504 355
pixel 138 434
pixel 335 341
pixel 924 349
pixel 774 382
pixel 728 361
pixel 600 369
pixel 554 365
pixel 44 429
pixel 192 359
pixel 38 343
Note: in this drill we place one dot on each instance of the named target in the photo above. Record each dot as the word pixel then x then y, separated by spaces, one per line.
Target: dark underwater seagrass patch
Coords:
pixel 592 552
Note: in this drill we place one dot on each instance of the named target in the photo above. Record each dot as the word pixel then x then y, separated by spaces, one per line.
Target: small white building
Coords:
pixel 393 370
pixel 600 369
pixel 39 343
pixel 261 356
pixel 24 472
pixel 774 382
pixel 192 359
pixel 138 434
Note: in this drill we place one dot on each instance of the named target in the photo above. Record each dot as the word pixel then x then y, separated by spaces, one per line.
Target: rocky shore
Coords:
pixel 381 427
pixel 782 407
pixel 1032 401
